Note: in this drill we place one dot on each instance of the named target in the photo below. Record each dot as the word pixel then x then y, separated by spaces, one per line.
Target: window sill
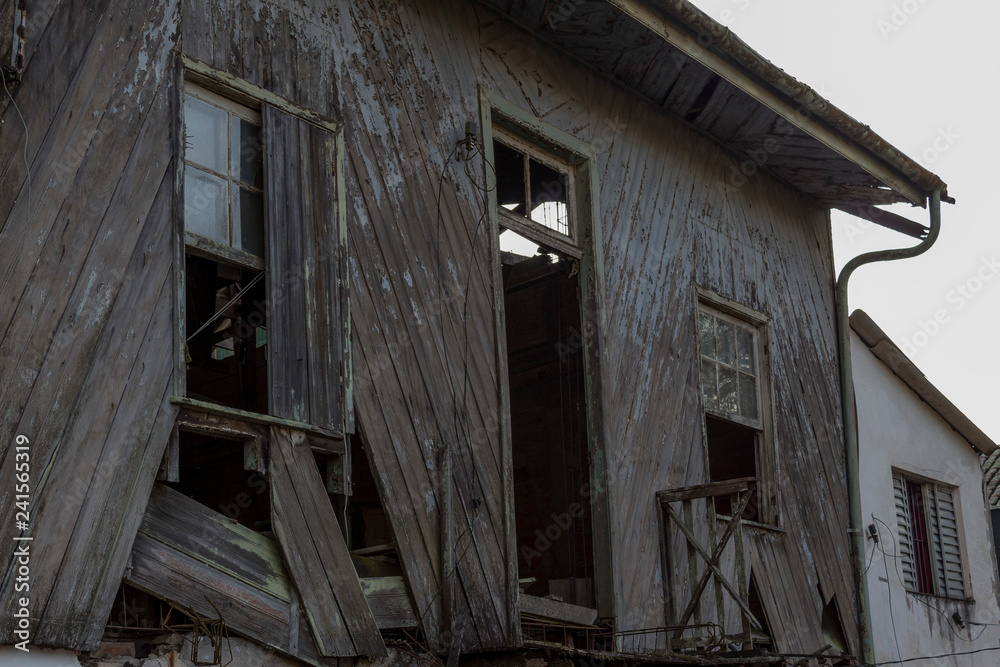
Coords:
pixel 942 598
pixel 754 524
pixel 335 447
pixel 209 249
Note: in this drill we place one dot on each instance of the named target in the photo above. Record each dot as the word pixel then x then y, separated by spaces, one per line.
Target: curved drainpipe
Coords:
pixel 850 416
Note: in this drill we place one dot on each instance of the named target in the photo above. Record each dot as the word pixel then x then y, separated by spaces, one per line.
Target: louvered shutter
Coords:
pixel 903 515
pixel 947 551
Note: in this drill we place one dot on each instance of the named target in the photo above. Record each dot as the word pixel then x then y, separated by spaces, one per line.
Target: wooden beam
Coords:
pixel 705 490
pixel 316 553
pixel 256 418
pixel 554 610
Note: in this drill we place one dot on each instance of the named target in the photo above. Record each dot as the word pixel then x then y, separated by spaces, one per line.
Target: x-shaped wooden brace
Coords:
pixel 713 564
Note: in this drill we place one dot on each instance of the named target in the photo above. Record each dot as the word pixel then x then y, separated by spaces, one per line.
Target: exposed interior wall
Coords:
pixel 899 431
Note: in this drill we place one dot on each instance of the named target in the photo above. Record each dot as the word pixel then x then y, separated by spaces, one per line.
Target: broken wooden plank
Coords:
pixel 210 537
pixel 316 553
pixel 705 490
pixel 556 610
pixel 389 602
pixel 186 582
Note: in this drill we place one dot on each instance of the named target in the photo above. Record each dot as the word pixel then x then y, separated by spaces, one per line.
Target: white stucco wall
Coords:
pixel 37 657
pixel 898 430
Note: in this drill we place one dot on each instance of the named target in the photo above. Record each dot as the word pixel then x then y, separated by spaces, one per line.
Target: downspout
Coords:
pixel 850 417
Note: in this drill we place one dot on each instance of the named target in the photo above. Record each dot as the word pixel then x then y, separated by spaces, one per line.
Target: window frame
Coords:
pixel 496 113
pixel 246 110
pixel 243 93
pixel 765 445
pixel 927 483
pixel 524 225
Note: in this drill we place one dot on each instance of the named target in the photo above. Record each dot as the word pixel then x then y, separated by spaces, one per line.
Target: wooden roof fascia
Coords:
pixel 793 101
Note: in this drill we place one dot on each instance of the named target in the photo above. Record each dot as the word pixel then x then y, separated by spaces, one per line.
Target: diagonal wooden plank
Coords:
pixel 713 565
pixel 315 551
pixel 689 534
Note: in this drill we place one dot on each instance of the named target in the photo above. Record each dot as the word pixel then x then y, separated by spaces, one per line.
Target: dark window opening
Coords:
pixel 833 629
pixel 548 413
pixel 732 454
pixel 135 615
pixel 227 335
pixel 369 536
pixel 756 606
pixel 921 544
pixel 211 472
pixel 523 179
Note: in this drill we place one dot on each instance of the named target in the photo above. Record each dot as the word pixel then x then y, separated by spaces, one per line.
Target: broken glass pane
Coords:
pixel 748 396
pixel 726 334
pixel 248 220
pixel 548 197
pixel 708 385
pixel 509 165
pixel 247 151
pixel 728 391
pixel 744 350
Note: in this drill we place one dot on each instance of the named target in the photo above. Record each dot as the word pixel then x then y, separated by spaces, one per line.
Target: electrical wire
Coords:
pixel 934 657
pixel 918 597
pixel 24 154
pixel 888 588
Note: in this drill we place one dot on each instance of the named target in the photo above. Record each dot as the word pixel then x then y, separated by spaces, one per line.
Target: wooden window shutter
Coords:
pixel 903 515
pixel 947 548
pixel 306 260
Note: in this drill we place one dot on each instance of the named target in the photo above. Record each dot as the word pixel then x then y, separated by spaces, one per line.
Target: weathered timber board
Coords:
pixel 315 552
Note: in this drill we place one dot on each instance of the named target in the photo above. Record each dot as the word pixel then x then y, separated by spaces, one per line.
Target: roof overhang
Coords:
pixel 676 57
pixel 889 354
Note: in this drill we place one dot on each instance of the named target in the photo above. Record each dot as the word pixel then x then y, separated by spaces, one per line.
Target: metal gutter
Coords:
pixel 694 33
pixel 850 416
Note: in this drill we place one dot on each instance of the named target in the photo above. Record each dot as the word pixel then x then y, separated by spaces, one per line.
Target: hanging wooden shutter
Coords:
pixel 903 515
pixel 947 550
pixel 306 258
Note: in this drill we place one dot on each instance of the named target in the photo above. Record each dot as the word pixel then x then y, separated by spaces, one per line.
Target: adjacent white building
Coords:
pixel 932 574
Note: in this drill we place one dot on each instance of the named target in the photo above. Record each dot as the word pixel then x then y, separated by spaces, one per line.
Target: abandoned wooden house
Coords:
pixel 375 330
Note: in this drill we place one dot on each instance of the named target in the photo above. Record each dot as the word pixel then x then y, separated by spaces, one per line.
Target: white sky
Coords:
pixel 917 72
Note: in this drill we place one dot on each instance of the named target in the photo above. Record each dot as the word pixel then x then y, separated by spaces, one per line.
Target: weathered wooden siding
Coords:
pixel 87 298
pixel 674 216
pixel 424 359
pixel 407 72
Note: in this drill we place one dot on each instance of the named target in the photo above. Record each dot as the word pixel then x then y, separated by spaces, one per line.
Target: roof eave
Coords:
pixel 715 47
pixel 889 354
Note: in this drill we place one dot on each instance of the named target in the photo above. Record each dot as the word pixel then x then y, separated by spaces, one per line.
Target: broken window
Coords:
pixel 225 292
pixel 532 186
pixel 929 545
pixel 734 395
pixel 549 332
